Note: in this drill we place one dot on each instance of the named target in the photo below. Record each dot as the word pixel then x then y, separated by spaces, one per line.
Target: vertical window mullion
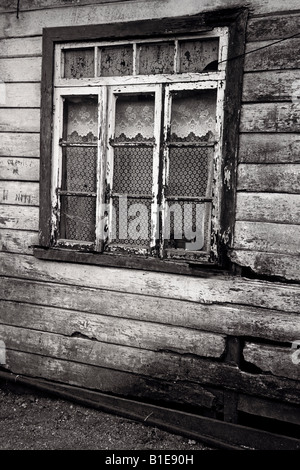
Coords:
pixel 110 161
pixel 135 59
pixel 56 176
pixel 165 166
pixel 156 167
pixel 101 219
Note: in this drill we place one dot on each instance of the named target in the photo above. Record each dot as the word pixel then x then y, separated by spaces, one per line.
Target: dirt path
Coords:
pixel 35 422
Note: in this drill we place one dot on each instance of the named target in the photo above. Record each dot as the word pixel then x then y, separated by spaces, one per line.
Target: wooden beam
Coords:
pixel 83 305
pixel 19 144
pixel 268 264
pixel 279 178
pixel 208 290
pixel 271 55
pixel 21 169
pixel 268 207
pixel 269 148
pixel 19 193
pixel 273 27
pixel 208 430
pixel 18 241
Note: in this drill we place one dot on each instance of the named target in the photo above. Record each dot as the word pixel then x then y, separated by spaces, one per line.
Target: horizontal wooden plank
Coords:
pixel 19 193
pixel 23 69
pixel 270 117
pixel 10 5
pixel 21 169
pixel 279 178
pixel 115 330
pixel 21 47
pixel 265 55
pixel 269 264
pixel 109 12
pixel 224 435
pixel 125 383
pixel 19 145
pixel 269 409
pixel 269 148
pixel 106 380
pixel 281 361
pixel 82 306
pixel 19 120
pixel 268 237
pixel 157 364
pixel 273 27
pixel 21 95
pixel 279 85
pixel 19 217
pixel 210 290
pixel 18 241
pixel 268 207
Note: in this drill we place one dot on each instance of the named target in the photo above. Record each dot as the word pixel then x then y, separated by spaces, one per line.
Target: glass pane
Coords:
pixel 78 218
pixel 79 63
pixel 81 119
pixel 117 60
pixel 131 221
pixel 80 166
pixel 189 171
pixel 134 118
pixel 193 116
pixel 187 225
pixel 133 170
pixel 156 58
pixel 199 55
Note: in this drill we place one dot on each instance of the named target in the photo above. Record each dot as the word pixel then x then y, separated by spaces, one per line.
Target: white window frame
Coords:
pixel 106 88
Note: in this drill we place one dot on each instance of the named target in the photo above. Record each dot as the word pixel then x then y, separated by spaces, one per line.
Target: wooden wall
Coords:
pixel 267 231
pixel 220 343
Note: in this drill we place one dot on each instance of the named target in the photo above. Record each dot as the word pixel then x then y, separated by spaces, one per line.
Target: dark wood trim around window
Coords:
pixel 236 20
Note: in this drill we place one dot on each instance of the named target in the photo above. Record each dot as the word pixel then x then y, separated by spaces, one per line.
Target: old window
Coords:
pixel 137 148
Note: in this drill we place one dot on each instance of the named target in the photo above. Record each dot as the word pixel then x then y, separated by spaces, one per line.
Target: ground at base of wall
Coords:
pixel 37 422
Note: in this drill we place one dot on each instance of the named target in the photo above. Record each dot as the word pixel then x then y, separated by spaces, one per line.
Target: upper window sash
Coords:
pixel 92 61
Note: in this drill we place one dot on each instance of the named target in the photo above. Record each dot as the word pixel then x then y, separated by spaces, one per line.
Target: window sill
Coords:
pixel 130 262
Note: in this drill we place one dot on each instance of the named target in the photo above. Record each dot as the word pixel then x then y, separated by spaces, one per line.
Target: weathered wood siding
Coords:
pixel 213 342
pixel 267 232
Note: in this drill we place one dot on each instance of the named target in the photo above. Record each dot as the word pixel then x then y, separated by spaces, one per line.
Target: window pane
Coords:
pixel 116 60
pixel 79 63
pixel 78 218
pixel 81 119
pixel 133 170
pixel 199 55
pixel 193 116
pixel 80 169
pixel 156 58
pixel 189 171
pixel 134 118
pixel 187 225
pixel 131 222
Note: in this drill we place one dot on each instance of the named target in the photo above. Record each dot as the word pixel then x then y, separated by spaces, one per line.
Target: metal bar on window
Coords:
pixel 132 196
pixel 189 198
pixel 62 192
pixel 191 144
pixel 65 143
pixel 131 144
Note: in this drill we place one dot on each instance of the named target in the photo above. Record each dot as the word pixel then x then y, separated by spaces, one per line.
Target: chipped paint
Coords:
pixel 227 178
